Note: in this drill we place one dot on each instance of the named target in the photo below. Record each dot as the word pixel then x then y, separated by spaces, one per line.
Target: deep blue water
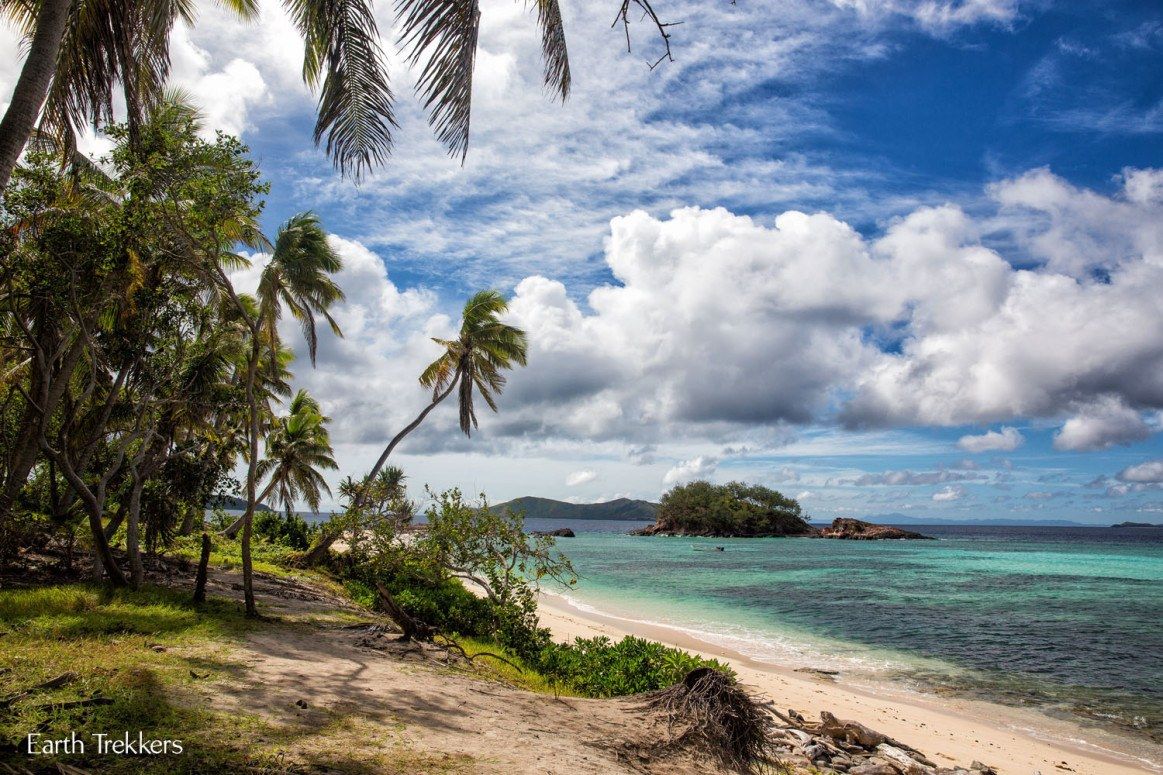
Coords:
pixel 1066 619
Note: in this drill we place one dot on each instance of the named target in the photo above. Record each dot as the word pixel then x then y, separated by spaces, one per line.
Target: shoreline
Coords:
pixel 950 730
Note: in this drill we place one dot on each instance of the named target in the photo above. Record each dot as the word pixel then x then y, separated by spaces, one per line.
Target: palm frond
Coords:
pixel 553 48
pixel 443 33
pixel 355 101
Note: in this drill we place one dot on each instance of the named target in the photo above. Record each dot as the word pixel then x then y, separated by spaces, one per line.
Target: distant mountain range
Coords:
pixel 547 508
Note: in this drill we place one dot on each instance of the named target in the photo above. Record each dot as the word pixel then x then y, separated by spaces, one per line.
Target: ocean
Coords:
pixel 1067 620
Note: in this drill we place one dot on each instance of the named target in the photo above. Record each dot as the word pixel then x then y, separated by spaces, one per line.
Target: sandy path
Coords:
pixel 415 704
pixel 948 730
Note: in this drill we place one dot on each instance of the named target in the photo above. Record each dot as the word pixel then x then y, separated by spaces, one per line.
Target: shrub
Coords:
pixel 599 667
pixel 286 529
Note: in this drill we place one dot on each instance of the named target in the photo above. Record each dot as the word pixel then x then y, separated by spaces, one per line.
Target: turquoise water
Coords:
pixel 1066 619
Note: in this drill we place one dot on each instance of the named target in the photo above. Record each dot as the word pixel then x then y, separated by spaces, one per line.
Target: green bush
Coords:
pixel 599 667
pixel 285 529
pixel 360 592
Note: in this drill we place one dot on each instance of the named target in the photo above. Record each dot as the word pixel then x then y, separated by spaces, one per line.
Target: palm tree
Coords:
pixel 298 277
pixel 297 449
pixel 472 362
pixel 298 446
pixel 80 50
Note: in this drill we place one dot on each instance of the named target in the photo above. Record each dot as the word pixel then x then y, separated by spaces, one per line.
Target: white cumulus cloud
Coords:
pixel 578 478
pixel 1150 472
pixel 1104 423
pixel 1005 440
pixel 689 470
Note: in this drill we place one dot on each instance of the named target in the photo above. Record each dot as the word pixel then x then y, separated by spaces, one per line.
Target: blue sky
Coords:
pixel 884 255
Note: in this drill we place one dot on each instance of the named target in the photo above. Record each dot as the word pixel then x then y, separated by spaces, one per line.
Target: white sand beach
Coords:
pixel 949 730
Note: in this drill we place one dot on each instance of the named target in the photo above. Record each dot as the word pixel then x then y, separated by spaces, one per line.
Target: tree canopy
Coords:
pixel 732 509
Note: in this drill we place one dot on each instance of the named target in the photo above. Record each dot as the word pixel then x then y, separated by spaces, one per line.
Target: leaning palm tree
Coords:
pixel 80 50
pixel 471 364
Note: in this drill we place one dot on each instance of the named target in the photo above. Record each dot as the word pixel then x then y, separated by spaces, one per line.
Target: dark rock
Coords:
pixel 858 530
pixel 561 532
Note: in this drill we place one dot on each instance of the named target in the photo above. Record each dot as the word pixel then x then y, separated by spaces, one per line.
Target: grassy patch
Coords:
pixel 154 663
pixel 135 657
pixel 226 553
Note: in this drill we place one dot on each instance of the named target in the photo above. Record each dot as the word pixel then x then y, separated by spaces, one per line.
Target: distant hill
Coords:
pixel 547 508
pixel 231 503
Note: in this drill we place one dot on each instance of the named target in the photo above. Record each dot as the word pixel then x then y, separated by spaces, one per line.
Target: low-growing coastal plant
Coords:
pixel 600 667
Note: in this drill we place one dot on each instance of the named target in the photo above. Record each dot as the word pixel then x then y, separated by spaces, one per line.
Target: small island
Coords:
pixel 859 530
pixel 740 510
pixel 1138 524
pixel 732 510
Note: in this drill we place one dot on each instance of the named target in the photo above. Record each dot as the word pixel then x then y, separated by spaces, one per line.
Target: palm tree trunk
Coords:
pixel 33 85
pixel 251 482
pixel 319 550
pixel 359 498
pixel 236 525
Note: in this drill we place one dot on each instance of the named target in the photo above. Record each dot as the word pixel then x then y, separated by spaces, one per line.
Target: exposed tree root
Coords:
pixel 711 711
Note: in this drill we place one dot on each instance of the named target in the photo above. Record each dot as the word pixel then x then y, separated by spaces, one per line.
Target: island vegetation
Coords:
pixel 734 509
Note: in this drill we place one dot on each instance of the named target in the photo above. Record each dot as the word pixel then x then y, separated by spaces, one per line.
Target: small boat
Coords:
pixel 709 548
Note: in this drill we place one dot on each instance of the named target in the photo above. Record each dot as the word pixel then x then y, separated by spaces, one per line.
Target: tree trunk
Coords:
pixel 413 629
pixel 359 498
pixel 319 550
pixel 33 84
pixel 236 525
pixel 115 521
pixel 93 501
pixel 190 521
pixel 251 483
pixel 101 547
pixel 203 563
pixel 133 534
pixel 48 386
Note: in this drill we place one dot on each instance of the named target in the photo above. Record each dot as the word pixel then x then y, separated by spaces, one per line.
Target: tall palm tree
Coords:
pixel 472 362
pixel 299 278
pixel 298 448
pixel 79 50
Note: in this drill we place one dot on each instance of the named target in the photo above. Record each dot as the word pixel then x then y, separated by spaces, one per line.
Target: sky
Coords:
pixel 886 256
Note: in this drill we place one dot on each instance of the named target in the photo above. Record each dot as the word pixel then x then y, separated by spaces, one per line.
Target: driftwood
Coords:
pixel 838 745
